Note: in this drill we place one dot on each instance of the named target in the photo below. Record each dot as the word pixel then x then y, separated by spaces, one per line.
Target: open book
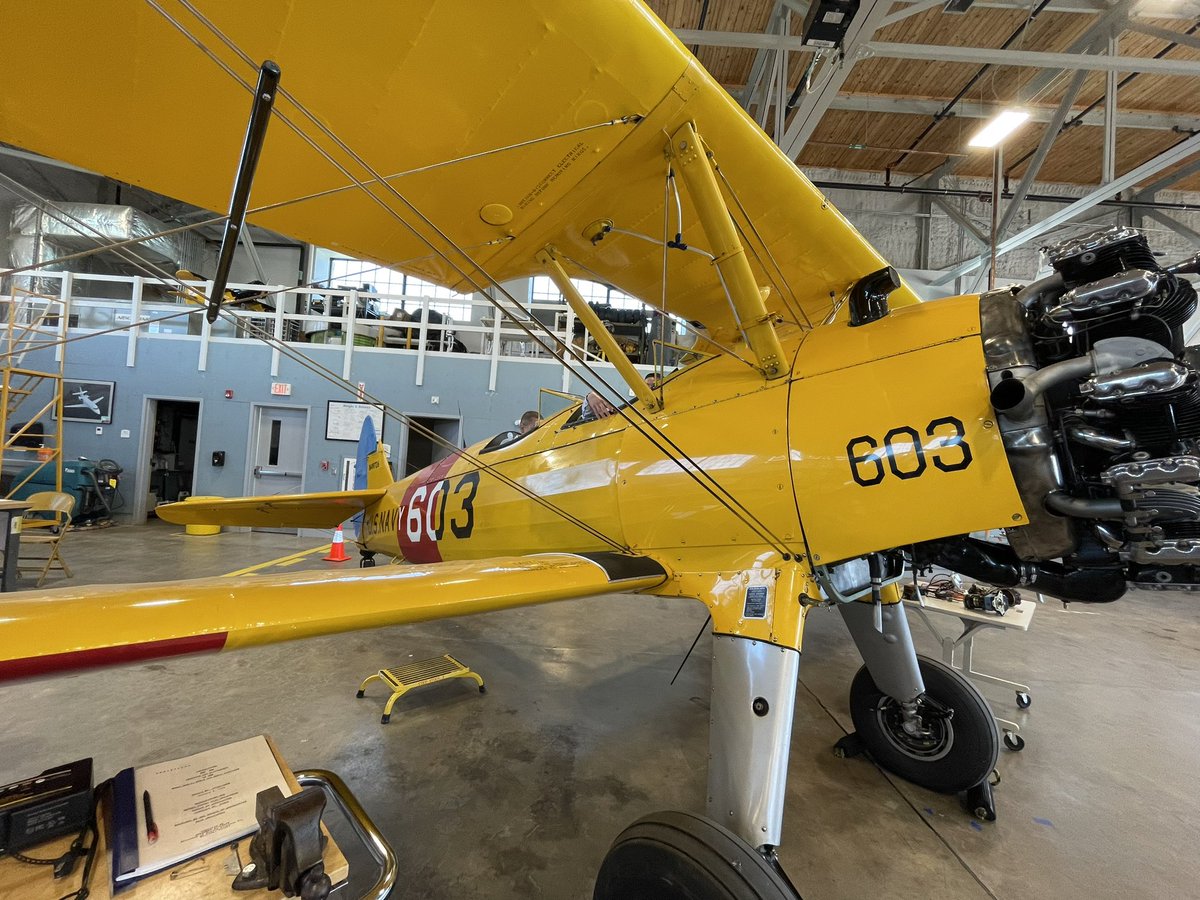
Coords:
pixel 195 804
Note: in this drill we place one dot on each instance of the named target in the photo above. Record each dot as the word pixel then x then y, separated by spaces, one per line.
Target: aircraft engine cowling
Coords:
pixel 1098 403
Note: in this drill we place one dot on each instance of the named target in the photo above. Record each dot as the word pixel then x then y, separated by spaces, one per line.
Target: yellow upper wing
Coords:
pixel 412 84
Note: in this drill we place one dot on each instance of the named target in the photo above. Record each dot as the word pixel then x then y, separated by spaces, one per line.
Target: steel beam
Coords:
pixel 44 160
pixel 934 179
pixel 1117 14
pixel 905 11
pixel 252 252
pixel 833 74
pixel 781 100
pixel 973 109
pixel 1167 180
pixel 962 221
pixel 1043 150
pixel 1165 34
pixel 752 40
pixel 1130 179
pixel 1028 58
pixel 1174 224
pixel 1164 9
pixel 746 95
pixel 1108 164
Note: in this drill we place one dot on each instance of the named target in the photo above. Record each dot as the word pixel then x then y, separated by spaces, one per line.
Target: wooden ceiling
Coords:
pixel 876 139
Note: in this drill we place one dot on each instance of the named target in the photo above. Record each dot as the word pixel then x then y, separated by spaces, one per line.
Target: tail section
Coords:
pixel 371 469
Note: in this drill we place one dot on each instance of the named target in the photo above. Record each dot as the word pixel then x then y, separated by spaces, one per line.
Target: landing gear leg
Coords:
pixel 366 559
pixel 750 730
pixel 916 716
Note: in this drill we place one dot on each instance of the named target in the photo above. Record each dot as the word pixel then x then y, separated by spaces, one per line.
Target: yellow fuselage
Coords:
pixel 882 436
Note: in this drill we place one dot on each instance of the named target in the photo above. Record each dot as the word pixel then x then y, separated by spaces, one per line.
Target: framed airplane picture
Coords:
pixel 88 401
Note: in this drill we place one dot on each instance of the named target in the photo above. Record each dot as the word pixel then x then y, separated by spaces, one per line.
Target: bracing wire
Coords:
pixel 282 204
pixel 782 281
pixel 307 363
pixel 651 435
pixel 380 180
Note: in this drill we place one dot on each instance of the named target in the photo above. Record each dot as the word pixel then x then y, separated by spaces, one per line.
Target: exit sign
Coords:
pixel 281 389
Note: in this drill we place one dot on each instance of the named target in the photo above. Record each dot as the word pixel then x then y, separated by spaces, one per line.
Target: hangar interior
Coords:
pixel 120 392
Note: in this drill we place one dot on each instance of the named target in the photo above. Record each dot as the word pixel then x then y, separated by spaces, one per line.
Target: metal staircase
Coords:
pixel 31 400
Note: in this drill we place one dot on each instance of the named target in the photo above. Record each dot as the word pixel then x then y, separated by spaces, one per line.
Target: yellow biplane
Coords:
pixel 828 430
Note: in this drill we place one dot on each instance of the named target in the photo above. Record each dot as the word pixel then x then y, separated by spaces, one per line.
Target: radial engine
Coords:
pixel 1098 402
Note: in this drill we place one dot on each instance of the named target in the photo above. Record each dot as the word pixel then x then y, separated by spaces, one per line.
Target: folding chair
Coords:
pixel 46 523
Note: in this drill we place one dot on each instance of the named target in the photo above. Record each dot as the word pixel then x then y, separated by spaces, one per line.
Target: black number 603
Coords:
pixel 907 454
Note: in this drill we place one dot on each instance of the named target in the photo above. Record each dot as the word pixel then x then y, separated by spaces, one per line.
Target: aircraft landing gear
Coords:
pixel 945 740
pixel 680 856
pixel 366 559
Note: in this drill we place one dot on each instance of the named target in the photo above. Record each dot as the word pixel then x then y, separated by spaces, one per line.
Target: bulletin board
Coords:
pixel 344 420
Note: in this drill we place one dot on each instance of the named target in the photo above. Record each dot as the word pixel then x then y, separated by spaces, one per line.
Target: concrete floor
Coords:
pixel 518 793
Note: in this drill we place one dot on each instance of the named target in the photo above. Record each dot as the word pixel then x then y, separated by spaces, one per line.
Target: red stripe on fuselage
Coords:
pixel 417 513
pixel 109 656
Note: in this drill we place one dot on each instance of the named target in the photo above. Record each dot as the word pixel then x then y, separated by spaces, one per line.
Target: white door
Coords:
pixel 280 439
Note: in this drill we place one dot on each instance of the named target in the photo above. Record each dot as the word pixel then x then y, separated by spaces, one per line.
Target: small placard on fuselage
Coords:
pixel 756 602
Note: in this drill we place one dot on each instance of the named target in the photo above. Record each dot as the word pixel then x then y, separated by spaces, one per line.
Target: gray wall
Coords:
pixel 169 368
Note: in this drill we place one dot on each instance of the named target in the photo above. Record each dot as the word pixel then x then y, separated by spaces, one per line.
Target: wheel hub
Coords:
pixel 921 732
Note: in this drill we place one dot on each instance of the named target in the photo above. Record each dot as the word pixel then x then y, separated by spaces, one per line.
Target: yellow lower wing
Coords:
pixel 325 510
pixel 89 627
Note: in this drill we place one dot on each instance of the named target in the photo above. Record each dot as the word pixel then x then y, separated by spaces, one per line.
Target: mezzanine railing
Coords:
pixel 309 317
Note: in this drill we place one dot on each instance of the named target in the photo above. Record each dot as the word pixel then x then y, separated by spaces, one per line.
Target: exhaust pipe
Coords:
pixel 1015 397
pixel 999 565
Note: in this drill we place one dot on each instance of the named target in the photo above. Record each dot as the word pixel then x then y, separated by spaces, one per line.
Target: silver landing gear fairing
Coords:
pixel 729 854
pixel 750 732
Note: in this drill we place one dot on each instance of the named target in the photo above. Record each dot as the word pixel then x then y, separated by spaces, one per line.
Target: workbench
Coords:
pixel 11 512
pixel 205 877
pixel 973 622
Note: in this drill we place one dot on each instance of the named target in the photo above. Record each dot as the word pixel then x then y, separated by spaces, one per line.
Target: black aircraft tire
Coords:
pixel 680 856
pixel 962 752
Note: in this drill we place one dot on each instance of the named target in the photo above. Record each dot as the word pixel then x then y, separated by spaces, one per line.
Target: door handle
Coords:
pixel 260 472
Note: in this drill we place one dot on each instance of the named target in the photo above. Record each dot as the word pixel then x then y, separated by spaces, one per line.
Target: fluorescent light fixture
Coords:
pixel 1005 123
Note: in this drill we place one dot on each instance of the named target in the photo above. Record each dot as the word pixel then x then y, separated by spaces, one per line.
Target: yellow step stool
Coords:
pixel 402 679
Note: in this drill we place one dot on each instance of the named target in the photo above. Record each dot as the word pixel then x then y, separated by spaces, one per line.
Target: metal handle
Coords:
pixel 360 822
pixel 260 472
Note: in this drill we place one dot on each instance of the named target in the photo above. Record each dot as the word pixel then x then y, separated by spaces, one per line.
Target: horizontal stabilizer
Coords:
pixel 82 628
pixel 326 510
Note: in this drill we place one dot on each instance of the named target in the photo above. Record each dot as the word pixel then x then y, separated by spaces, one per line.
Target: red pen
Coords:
pixel 151 826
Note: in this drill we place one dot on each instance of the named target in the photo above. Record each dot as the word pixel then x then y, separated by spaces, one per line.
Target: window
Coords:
pixel 393 285
pixel 543 290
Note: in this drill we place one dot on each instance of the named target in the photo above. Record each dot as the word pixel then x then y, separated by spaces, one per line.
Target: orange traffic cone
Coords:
pixel 337 549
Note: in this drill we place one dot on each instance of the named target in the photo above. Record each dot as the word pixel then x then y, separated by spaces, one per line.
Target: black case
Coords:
pixel 55 803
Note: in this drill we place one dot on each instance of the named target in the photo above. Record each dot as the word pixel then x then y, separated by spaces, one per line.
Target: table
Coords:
pixel 973 622
pixel 204 877
pixel 10 520
pixel 510 334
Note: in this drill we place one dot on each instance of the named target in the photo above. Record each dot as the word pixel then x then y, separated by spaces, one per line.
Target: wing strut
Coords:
pixel 256 133
pixel 690 154
pixel 596 329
